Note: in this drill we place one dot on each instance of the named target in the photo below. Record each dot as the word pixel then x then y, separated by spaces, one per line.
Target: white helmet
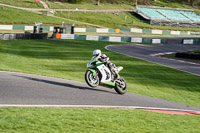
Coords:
pixel 105 57
pixel 97 52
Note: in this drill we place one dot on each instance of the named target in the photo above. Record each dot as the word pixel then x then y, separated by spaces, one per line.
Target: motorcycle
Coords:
pixel 99 74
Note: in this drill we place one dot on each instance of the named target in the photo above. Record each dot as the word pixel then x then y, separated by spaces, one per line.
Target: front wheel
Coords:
pixel 120 86
pixel 91 80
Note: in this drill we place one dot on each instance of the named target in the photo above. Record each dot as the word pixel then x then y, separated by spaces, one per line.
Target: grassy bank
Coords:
pixel 93 120
pixel 90 6
pixel 116 20
pixel 68 59
pixel 64 5
pixel 20 31
pixel 22 3
pixel 103 19
pixel 22 17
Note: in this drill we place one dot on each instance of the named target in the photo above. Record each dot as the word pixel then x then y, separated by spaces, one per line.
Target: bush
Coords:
pixel 190 55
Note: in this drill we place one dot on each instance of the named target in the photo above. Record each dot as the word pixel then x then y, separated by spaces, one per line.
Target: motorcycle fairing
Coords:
pixel 105 72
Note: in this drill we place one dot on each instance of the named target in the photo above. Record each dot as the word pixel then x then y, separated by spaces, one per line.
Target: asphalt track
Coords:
pixel 145 52
pixel 18 89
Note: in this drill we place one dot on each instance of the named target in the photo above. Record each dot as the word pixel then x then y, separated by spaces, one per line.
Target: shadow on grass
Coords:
pixel 63 84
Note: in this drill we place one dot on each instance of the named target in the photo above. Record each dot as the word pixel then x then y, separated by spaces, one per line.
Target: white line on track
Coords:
pixel 92 106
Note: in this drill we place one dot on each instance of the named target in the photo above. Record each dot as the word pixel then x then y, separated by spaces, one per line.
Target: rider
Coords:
pixel 103 58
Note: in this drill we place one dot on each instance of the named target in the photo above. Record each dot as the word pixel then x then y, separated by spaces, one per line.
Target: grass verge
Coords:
pixel 21 31
pixel 93 120
pixel 68 59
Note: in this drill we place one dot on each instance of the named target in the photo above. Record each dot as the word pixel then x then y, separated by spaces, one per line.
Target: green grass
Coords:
pixel 103 19
pixel 116 20
pixel 12 31
pixel 86 5
pixel 90 6
pixel 174 4
pixel 22 120
pixel 111 20
pixel 68 59
pixel 21 17
pixel 21 31
pixel 22 3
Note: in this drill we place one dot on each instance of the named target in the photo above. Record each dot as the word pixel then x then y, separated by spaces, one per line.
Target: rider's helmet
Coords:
pixel 97 52
pixel 105 57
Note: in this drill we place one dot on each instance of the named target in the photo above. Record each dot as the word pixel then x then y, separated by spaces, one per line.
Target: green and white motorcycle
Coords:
pixel 99 74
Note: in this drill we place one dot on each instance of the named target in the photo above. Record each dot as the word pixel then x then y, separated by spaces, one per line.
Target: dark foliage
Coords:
pixel 190 55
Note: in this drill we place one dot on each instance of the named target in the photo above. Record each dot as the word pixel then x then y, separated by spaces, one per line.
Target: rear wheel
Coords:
pixel 120 86
pixel 91 80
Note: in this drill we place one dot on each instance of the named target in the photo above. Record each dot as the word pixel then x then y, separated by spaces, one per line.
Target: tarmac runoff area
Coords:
pixel 27 90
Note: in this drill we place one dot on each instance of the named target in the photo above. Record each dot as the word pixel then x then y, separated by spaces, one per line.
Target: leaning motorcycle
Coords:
pixel 99 74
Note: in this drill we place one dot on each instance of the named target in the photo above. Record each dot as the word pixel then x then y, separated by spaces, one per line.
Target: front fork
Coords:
pixel 94 73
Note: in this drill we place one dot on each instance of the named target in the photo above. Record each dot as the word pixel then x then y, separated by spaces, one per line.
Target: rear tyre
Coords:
pixel 91 80
pixel 120 86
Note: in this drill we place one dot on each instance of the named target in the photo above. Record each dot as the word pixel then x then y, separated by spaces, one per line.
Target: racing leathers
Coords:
pixel 103 58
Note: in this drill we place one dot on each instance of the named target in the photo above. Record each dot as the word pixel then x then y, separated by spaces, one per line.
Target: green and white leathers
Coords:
pixel 99 74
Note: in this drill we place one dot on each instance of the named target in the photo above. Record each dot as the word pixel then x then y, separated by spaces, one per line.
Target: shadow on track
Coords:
pixel 63 84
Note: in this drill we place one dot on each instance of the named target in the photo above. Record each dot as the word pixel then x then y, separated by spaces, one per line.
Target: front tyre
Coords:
pixel 91 80
pixel 120 86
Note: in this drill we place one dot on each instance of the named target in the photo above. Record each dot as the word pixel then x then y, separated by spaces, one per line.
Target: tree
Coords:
pixel 193 2
pixel 98 2
pixel 135 2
